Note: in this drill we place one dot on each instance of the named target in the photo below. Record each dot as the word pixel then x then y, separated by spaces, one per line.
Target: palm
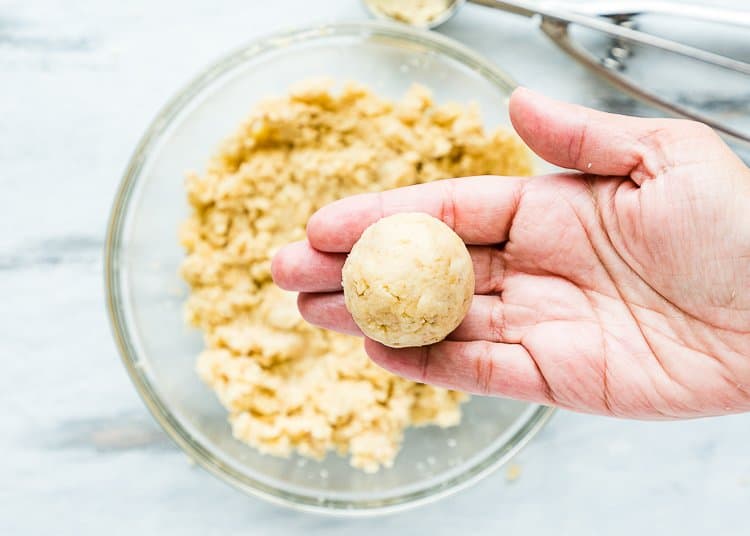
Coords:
pixel 624 293
pixel 606 316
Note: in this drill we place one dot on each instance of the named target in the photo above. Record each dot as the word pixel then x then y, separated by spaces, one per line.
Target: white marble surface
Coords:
pixel 79 454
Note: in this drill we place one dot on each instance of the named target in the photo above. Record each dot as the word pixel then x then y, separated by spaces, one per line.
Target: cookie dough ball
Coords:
pixel 408 281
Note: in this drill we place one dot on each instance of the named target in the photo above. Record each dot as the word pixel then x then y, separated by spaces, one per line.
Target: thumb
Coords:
pixel 576 137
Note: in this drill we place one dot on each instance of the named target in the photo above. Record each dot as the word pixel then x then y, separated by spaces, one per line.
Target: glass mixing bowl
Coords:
pixel 146 295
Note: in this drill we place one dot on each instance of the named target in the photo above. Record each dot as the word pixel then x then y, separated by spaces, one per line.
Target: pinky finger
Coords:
pixel 478 367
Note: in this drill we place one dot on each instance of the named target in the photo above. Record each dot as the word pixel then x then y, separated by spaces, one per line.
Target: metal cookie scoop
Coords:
pixel 614 18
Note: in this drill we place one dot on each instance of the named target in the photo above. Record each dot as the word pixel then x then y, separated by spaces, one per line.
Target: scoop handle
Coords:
pixel 554 12
pixel 630 8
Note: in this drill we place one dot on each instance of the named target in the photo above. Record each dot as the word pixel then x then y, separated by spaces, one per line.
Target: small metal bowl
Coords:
pixel 451 10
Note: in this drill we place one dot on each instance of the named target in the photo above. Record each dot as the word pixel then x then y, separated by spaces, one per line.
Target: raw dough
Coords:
pixel 408 280
pixel 289 386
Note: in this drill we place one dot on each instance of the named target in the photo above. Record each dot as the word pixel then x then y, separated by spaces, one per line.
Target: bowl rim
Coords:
pixel 122 332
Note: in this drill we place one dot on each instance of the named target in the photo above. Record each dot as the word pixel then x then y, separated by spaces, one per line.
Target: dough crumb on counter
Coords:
pixel 513 472
pixel 289 386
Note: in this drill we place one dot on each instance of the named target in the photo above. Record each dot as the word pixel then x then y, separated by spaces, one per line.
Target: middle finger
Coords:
pixel 301 268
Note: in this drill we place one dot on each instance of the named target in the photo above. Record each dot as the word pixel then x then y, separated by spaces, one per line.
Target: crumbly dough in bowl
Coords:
pixel 289 386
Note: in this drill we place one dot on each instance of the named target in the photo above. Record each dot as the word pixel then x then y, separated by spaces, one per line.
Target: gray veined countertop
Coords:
pixel 79 454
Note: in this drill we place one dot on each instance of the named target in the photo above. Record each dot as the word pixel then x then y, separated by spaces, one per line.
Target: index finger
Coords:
pixel 479 209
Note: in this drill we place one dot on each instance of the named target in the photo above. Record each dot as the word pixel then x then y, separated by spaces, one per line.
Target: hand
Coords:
pixel 623 290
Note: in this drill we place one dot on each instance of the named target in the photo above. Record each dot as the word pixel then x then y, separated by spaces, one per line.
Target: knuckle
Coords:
pixel 654 150
pixel 496 321
pixel 659 148
pixel 495 270
pixel 424 363
pixel 576 145
pixel 448 205
pixel 484 368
